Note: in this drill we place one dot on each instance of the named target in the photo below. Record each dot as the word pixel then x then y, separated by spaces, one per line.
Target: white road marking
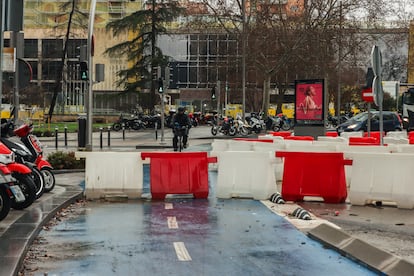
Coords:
pixel 181 251
pixel 168 206
pixel 172 222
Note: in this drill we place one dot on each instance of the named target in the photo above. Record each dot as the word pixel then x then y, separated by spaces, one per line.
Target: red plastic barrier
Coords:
pixel 300 138
pixel 317 174
pixel 375 134
pixel 254 140
pixel 364 141
pixel 178 173
pixel 331 134
pixel 281 133
pixel 411 137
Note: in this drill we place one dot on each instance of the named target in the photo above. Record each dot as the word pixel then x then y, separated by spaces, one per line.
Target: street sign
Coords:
pixel 376 59
pixel 367 95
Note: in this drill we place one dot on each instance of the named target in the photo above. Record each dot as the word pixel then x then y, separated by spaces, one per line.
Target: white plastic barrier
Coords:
pixel 352 134
pixel 239 145
pixel 400 148
pixel 331 139
pixel 395 140
pixel 112 172
pixel 397 134
pixel 245 174
pixel 382 177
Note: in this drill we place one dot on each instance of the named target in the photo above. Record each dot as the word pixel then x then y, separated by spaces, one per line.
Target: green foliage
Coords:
pixel 65 160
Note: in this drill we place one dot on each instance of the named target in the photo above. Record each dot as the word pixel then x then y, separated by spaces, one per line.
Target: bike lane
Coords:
pixel 185 236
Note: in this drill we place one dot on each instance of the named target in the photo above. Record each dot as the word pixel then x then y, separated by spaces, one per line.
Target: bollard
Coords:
pixel 109 136
pixel 156 130
pixel 66 136
pixel 56 137
pixel 100 137
pixel 123 132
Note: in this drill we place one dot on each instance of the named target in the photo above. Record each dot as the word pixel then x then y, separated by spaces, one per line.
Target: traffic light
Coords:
pixel 83 70
pixel 213 93
pixel 160 85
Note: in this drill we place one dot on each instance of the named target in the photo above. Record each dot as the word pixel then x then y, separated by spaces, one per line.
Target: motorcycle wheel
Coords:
pixel 275 128
pixel 214 130
pixel 28 188
pixel 232 131
pixel 136 126
pixel 244 131
pixel 5 203
pixel 39 182
pixel 285 126
pixel 257 130
pixel 49 178
pixel 116 126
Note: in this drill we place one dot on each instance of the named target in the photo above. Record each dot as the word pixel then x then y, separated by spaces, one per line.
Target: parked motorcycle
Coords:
pixel 256 124
pixel 272 123
pixel 224 125
pixel 241 127
pixel 31 151
pixel 23 176
pixel 284 122
pixel 128 123
pixel 9 191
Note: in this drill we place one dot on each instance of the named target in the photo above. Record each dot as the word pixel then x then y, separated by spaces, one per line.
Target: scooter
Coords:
pixel 9 191
pixel 35 149
pixel 23 176
pixel 22 155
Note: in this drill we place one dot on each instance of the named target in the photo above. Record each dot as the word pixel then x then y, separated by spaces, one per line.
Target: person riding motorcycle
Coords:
pixel 179 121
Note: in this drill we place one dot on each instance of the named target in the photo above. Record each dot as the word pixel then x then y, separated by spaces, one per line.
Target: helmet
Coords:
pixel 181 109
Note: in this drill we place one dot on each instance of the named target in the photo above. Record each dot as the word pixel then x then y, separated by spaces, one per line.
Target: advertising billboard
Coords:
pixel 309 101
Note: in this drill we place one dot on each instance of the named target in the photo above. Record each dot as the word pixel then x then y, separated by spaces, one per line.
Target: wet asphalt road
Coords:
pixel 185 236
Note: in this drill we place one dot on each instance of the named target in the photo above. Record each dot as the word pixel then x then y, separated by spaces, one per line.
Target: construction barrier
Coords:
pixel 382 177
pixel 360 141
pixel 246 174
pixel 300 138
pixel 109 173
pixel 314 174
pixel 178 173
pixel 281 133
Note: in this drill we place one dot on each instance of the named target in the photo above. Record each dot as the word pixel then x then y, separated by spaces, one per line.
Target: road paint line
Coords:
pixel 168 206
pixel 172 222
pixel 181 251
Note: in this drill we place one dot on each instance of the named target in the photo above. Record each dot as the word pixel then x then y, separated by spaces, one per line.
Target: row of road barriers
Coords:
pixel 328 168
pixel 378 173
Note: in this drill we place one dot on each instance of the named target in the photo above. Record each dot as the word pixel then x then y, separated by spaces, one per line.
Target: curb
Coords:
pixel 376 259
pixel 28 232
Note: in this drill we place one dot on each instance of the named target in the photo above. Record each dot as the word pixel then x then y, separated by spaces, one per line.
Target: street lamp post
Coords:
pixel 89 111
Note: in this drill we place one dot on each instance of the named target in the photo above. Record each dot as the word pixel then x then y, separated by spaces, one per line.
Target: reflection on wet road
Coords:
pixel 189 237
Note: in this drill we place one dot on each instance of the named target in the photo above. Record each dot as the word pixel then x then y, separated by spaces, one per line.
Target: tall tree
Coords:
pixel 142 28
pixel 75 17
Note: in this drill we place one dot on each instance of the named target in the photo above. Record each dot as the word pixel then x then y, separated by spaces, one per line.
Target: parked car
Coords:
pixel 391 122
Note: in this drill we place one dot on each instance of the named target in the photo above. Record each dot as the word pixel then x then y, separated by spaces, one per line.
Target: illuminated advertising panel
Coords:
pixel 309 101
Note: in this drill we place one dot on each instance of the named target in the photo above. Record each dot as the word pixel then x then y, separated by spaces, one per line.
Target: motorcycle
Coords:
pixel 9 191
pixel 23 176
pixel 226 127
pixel 272 123
pixel 30 153
pixel 284 122
pixel 256 124
pixel 241 127
pixel 128 123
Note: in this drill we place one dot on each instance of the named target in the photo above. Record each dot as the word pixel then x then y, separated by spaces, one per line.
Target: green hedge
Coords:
pixel 65 160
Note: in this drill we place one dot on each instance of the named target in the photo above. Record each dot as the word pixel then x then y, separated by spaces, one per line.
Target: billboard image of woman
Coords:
pixel 309 101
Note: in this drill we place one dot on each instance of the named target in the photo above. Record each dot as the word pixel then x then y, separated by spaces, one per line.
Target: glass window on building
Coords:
pixel 50 69
pixel 74 47
pixel 31 48
pixel 52 48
